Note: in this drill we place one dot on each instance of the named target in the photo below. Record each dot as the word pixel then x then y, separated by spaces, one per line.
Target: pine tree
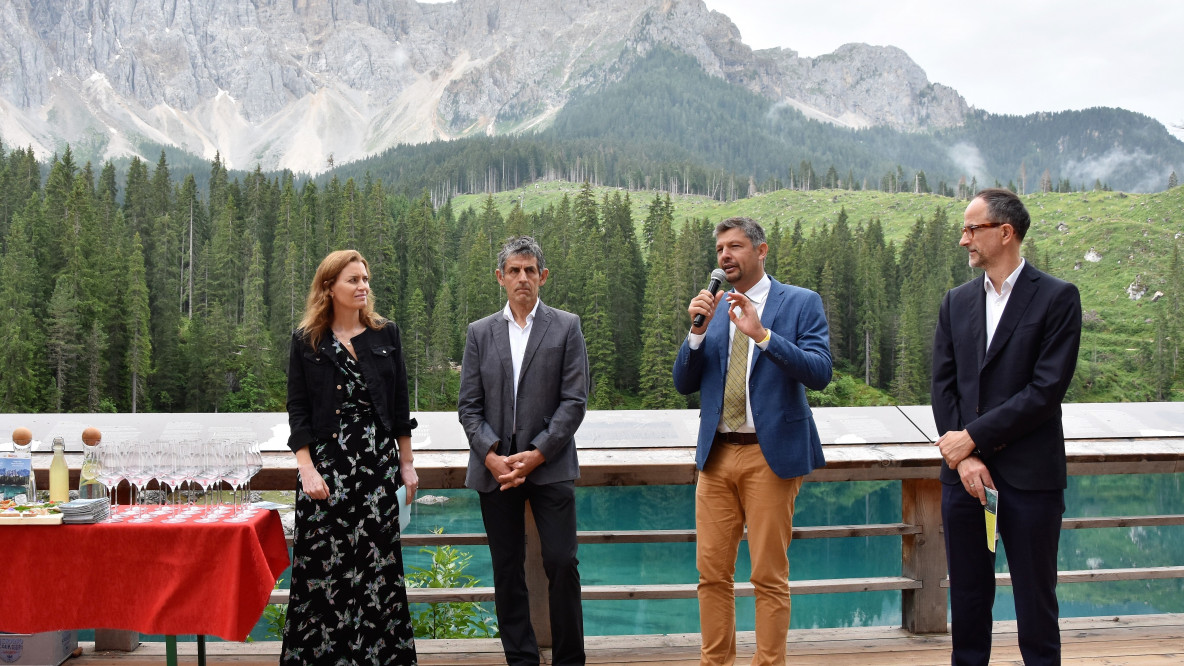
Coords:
pixel 139 358
pixel 62 339
pixel 661 311
pixel 597 330
pixel 441 343
pixel 624 264
pixel 415 342
pixel 1172 181
pixel 254 348
pixel 138 198
pixel 423 242
pixel 21 354
pixel 871 301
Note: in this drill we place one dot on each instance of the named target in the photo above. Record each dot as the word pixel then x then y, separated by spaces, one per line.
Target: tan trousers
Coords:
pixel 737 488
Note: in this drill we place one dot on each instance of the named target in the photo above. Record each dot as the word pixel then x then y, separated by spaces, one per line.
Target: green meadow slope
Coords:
pixel 1110 244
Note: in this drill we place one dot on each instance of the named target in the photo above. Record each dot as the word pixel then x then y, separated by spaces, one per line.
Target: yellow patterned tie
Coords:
pixel 735 401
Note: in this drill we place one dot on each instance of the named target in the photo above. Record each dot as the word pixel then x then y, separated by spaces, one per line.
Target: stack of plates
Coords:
pixel 85 510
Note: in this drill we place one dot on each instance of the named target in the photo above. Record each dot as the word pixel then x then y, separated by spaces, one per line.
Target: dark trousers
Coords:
pixel 554 508
pixel 1029 524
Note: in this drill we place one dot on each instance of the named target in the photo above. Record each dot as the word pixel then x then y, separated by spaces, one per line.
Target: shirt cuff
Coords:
pixel 695 340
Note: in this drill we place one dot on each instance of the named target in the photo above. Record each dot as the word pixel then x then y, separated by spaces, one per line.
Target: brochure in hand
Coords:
pixel 992 515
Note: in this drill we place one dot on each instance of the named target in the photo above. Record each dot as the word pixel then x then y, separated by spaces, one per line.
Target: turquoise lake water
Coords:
pixel 672 507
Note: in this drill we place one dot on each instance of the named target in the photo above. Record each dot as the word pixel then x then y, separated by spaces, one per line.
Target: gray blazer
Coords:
pixel 552 394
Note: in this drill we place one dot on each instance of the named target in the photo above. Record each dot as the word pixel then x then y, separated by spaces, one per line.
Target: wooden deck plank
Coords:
pixel 1136 640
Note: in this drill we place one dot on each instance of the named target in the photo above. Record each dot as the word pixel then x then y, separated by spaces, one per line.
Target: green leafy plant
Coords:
pixel 458 619
pixel 276 616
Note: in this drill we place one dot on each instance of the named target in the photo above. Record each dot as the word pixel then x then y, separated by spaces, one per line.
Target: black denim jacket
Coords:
pixel 316 386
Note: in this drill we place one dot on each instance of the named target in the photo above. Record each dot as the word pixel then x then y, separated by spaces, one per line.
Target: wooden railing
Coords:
pixel 861 444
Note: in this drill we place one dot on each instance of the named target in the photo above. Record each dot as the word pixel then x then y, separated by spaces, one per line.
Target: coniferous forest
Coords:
pixel 139 291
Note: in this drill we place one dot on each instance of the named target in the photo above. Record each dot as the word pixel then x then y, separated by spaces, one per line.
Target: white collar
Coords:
pixel 508 314
pixel 760 291
pixel 1008 284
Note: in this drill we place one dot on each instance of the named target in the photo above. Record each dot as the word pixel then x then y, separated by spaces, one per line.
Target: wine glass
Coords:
pixel 238 471
pixel 187 468
pixel 110 474
pixel 167 474
pixel 155 461
pixel 138 471
pixel 206 475
pixel 254 466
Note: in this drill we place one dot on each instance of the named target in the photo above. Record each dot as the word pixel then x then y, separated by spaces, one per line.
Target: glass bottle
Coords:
pixel 59 473
pixel 88 477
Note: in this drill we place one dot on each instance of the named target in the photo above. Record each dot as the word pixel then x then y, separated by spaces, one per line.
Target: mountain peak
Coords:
pixel 285 85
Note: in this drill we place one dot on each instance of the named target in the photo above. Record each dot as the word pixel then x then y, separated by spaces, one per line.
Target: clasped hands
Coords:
pixel 741 311
pixel 957 448
pixel 511 471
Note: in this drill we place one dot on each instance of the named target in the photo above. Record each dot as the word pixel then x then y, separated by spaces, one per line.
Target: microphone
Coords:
pixel 718 277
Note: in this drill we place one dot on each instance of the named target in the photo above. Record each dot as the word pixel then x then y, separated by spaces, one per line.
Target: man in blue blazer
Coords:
pixel 757 437
pixel 1003 356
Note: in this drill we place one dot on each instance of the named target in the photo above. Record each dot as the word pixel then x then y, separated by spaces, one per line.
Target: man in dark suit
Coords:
pixel 523 394
pixel 757 437
pixel 1003 356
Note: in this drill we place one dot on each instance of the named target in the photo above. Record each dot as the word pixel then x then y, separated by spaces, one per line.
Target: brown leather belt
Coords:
pixel 735 437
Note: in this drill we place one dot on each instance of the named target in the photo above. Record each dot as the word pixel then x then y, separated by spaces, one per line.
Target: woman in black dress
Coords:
pixel 351 432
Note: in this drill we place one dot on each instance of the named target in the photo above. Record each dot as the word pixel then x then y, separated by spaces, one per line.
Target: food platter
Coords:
pixel 47 519
pixel 35 514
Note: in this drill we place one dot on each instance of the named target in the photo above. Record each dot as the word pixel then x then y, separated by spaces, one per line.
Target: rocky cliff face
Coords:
pixel 288 83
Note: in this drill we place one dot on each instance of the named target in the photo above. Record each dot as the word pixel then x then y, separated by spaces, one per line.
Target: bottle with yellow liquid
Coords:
pixel 88 478
pixel 59 473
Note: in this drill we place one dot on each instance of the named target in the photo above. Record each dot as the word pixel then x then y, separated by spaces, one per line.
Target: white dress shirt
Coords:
pixel 997 300
pixel 758 295
pixel 519 335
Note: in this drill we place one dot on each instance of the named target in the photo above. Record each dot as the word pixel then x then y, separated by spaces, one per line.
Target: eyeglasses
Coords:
pixel 971 228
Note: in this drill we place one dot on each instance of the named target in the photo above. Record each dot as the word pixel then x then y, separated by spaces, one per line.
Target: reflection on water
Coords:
pixel 672 507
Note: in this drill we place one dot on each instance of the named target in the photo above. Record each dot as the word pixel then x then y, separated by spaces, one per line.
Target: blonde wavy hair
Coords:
pixel 318 310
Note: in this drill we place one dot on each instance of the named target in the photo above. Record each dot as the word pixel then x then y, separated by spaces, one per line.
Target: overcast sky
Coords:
pixel 1007 56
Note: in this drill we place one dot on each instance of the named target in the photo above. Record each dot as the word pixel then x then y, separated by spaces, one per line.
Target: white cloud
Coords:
pixel 970 160
pixel 1012 56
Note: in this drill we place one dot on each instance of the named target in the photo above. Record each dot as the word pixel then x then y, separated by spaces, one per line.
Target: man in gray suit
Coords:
pixel 523 394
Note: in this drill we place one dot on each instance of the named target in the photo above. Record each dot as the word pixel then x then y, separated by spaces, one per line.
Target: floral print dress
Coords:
pixel 348 601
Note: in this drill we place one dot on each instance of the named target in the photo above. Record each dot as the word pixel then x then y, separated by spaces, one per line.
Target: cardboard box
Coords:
pixel 49 648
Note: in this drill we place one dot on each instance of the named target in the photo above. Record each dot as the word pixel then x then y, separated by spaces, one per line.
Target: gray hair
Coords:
pixel 1005 207
pixel 750 227
pixel 520 245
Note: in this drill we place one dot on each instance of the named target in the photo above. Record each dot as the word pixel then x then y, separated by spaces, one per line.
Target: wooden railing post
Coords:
pixel 923 611
pixel 536 583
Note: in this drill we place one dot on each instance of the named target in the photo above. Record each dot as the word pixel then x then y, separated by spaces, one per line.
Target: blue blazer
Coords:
pixel 797 357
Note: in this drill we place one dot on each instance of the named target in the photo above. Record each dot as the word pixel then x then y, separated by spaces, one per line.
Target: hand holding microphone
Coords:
pixel 703 305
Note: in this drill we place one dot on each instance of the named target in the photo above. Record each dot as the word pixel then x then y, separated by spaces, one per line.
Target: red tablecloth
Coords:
pixel 154 578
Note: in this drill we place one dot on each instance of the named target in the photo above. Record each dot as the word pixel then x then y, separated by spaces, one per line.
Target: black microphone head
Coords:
pixel 718 277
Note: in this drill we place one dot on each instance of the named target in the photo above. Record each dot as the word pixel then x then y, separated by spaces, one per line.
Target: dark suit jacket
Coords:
pixel 552 394
pixel 797 357
pixel 1009 397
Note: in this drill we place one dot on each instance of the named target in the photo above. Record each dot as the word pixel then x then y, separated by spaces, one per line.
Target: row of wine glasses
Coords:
pixel 173 464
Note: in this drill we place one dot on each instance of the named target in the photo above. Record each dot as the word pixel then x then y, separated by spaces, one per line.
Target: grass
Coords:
pixel 1130 235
